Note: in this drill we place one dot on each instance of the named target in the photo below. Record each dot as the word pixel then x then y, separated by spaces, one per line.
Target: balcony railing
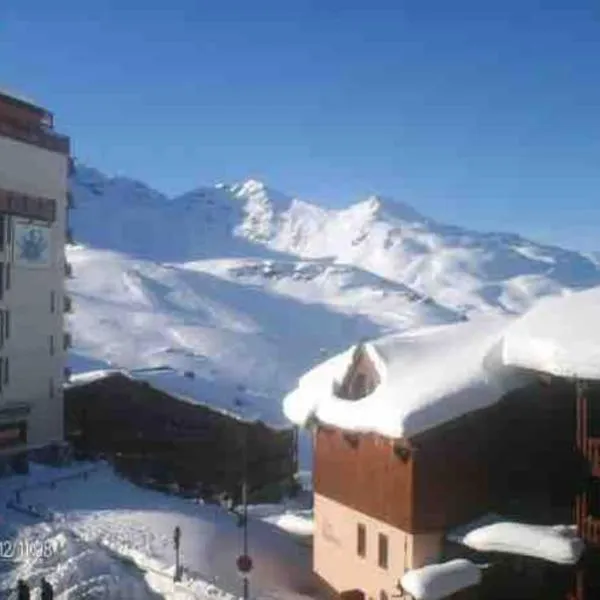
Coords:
pixel 67 341
pixel 67 304
pixel 67 374
pixel 70 201
pixel 42 137
pixel 592 452
pixel 591 530
pixel 68 270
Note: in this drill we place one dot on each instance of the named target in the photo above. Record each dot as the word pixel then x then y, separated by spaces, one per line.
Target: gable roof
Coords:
pixel 434 375
pixel 427 377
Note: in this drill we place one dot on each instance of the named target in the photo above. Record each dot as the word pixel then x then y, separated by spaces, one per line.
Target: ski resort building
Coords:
pixel 461 461
pixel 168 429
pixel 34 169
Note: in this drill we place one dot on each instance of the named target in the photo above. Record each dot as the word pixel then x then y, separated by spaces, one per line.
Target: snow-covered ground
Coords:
pixel 109 539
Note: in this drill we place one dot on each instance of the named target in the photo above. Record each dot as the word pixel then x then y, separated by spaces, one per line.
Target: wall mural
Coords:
pixel 31 246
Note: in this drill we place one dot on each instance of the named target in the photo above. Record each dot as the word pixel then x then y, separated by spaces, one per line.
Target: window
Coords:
pixel 2 230
pixel 383 595
pixel 361 540
pixel 6 371
pixel 51 342
pixel 7 323
pixel 8 276
pixel 1 280
pixel 383 551
pixel 52 301
pixel 8 230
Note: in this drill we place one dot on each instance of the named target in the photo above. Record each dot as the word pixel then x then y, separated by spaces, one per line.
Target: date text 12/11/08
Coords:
pixel 26 550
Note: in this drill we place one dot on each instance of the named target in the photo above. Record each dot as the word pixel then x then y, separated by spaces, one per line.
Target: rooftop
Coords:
pixel 434 375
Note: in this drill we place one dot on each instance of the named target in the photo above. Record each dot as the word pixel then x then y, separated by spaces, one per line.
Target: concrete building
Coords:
pixel 34 201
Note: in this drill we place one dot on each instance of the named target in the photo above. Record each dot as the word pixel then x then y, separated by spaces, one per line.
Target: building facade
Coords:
pixel 385 506
pixel 34 201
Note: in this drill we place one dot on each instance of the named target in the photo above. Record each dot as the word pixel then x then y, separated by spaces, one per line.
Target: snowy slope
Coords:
pixel 228 320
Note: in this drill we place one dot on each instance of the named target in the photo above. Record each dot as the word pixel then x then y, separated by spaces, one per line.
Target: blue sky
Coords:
pixel 481 113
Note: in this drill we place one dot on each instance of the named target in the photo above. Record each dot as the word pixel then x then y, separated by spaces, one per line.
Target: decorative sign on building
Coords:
pixel 31 244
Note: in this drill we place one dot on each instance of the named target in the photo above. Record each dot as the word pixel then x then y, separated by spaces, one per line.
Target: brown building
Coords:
pixel 160 437
pixel 482 461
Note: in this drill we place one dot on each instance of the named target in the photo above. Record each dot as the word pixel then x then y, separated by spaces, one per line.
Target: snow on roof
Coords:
pixel 558 544
pixel 438 581
pixel 241 404
pixel 559 335
pixel 89 377
pixel 428 377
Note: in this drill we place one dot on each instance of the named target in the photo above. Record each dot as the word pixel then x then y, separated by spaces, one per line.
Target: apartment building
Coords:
pixel 34 201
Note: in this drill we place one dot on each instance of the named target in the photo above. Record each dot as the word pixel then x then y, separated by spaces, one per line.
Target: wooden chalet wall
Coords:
pixel 516 457
pixel 166 438
pixel 364 473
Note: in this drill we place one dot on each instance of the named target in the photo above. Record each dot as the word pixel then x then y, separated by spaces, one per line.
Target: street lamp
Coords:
pixel 244 562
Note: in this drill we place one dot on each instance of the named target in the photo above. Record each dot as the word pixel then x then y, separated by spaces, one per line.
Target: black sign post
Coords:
pixel 177 543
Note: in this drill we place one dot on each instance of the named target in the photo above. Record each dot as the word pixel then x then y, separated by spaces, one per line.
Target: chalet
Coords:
pixel 461 461
pixel 168 429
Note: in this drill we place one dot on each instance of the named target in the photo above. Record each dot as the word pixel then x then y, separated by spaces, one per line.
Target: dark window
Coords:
pixel 8 230
pixel 2 328
pixel 1 280
pixel 383 551
pixel 52 301
pixel 361 540
pixel 6 371
pixel 51 342
pixel 7 323
pixel 2 231
pixel 8 276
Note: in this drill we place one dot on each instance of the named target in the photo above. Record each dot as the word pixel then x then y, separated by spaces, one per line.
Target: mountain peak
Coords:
pixel 386 207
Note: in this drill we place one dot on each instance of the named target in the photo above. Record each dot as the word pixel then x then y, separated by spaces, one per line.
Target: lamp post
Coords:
pixel 177 543
pixel 244 562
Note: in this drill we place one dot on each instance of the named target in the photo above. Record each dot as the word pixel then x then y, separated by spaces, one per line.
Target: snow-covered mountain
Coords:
pixel 246 284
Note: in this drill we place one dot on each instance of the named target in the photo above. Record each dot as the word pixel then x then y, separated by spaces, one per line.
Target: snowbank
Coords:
pixel 428 377
pixel 559 335
pixel 435 582
pixel 558 544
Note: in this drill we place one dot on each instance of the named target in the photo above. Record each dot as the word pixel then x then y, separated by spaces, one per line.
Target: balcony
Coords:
pixel 69 240
pixel 67 341
pixel 67 374
pixel 36 136
pixel 71 167
pixel 592 453
pixel 68 270
pixel 591 530
pixel 67 304
pixel 70 201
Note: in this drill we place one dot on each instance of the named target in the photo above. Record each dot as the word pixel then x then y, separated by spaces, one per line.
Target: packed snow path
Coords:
pixel 111 539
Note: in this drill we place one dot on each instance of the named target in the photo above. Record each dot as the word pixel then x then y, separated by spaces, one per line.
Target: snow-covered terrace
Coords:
pixel 434 375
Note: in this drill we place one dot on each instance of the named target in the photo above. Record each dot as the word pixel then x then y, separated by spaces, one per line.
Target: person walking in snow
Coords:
pixel 47 591
pixel 23 592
